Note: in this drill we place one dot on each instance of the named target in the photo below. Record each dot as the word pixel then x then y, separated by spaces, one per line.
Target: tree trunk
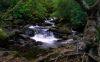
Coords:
pixel 93 20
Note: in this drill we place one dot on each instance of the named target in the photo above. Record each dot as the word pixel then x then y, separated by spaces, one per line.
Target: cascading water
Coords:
pixel 42 34
pixel 45 36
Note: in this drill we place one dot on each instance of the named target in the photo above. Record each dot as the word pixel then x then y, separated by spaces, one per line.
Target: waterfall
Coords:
pixel 43 34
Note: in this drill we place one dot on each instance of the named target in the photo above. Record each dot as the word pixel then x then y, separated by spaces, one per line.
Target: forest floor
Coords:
pixel 62 54
pixel 10 56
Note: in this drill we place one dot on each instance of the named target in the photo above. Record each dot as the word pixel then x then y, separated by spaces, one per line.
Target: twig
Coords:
pixel 44 57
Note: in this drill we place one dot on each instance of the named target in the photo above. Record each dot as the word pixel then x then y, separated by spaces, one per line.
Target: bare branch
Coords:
pixel 95 4
pixel 83 4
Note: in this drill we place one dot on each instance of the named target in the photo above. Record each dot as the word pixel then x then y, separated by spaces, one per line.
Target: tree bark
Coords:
pixel 93 20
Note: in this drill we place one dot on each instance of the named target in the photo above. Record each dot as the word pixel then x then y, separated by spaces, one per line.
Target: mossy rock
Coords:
pixel 61 29
pixel 3 34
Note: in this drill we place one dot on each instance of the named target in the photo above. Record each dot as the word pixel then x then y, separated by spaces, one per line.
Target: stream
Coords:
pixel 45 37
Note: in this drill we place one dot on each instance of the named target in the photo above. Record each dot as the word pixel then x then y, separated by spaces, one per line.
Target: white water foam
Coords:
pixel 44 39
pixel 43 35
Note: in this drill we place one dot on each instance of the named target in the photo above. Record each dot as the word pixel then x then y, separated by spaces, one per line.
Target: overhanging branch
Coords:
pixel 85 6
pixel 95 4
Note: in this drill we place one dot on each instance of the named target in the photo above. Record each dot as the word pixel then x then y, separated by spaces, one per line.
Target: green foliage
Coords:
pixel 30 8
pixel 24 8
pixel 49 7
pixel 77 15
pixel 62 8
pixel 40 9
pixel 69 10
pixel 90 2
pixel 4 4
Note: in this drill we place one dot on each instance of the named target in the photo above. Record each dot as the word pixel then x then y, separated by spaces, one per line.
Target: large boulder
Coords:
pixel 64 29
pixel 61 31
pixel 28 31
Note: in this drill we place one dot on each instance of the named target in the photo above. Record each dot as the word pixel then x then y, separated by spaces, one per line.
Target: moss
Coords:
pixel 61 28
pixel 64 29
pixel 3 34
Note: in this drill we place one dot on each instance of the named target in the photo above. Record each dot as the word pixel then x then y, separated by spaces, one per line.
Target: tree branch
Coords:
pixel 95 4
pixel 83 4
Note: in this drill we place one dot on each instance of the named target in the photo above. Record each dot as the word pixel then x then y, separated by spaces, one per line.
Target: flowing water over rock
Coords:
pixel 42 34
pixel 44 37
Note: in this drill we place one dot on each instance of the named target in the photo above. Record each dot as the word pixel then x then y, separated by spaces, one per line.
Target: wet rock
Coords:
pixel 16 35
pixel 61 36
pixel 53 29
pixel 64 42
pixel 64 37
pixel 5 54
pixel 81 46
pixel 47 24
pixel 23 36
pixel 57 35
pixel 20 40
pixel 29 32
pixel 30 41
pixel 59 41
pixel 61 29
pixel 38 43
pixel 68 41
pixel 23 43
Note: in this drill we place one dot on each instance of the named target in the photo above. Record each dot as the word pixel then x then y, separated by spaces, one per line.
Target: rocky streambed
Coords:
pixel 43 35
pixel 45 42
